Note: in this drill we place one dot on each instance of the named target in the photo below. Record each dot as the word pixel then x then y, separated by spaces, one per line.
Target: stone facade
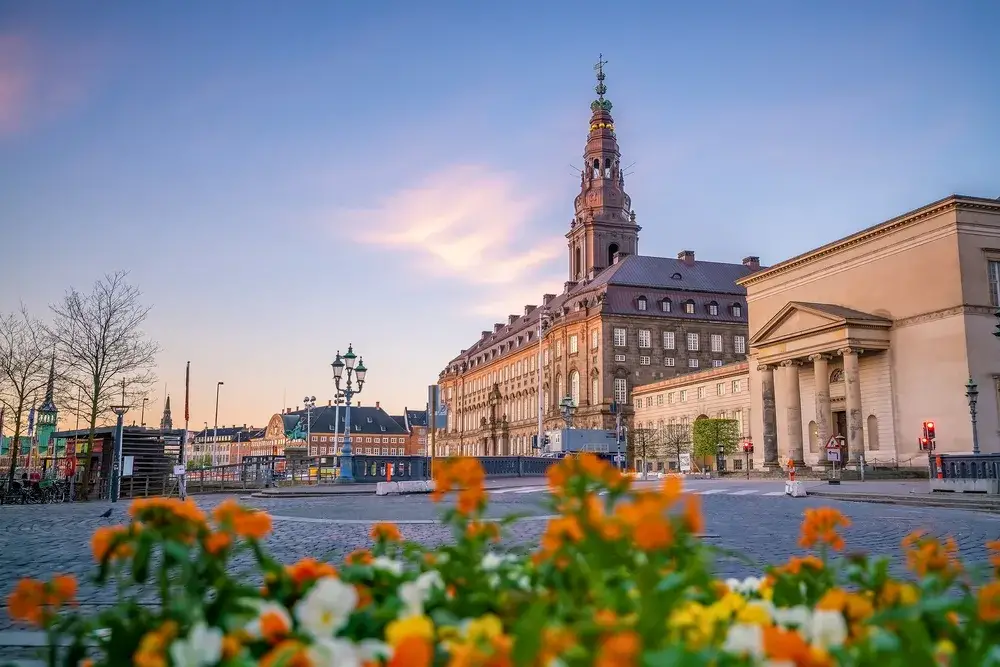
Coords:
pixel 867 337
pixel 621 321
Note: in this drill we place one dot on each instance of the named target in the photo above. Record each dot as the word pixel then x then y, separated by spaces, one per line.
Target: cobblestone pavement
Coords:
pixel 39 540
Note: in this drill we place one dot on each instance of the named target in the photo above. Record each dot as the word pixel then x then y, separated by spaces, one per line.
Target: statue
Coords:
pixel 297 432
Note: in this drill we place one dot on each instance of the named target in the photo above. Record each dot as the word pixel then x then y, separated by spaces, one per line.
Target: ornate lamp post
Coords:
pixel 116 463
pixel 568 409
pixel 353 372
pixel 972 393
pixel 142 413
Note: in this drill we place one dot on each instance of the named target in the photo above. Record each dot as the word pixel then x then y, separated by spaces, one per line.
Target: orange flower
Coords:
pixel 216 543
pixel 559 531
pixel 855 607
pixel 308 570
pixel 693 519
pixel 788 646
pixel 413 651
pixel 606 618
pixel 243 521
pixel 289 653
pixel 486 529
pixel 364 595
pixel 820 527
pixel 989 602
pixel 386 531
pixel 797 565
pixel 34 601
pixel 162 512
pixel 647 517
pixel 619 650
pixel 555 641
pixel 927 555
pixel 152 651
pixel 359 557
pixel 231 646
pixel 61 590
pixel 465 474
pixel 994 549
pixel 108 543
pixel 273 626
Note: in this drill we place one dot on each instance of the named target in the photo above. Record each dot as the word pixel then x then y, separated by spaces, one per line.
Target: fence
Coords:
pixel 966 473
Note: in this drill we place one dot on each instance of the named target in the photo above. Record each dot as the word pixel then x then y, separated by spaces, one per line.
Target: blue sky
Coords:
pixel 284 178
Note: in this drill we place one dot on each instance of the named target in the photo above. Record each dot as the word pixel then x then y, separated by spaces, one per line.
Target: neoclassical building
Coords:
pixel 869 336
pixel 621 321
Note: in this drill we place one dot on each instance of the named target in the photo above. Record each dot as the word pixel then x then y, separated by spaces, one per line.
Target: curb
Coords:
pixel 990 507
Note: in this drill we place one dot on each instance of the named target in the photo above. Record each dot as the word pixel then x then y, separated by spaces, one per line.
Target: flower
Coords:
pixel 828 629
pixel 246 522
pixel 384 531
pixel 288 653
pixel 989 602
pixel 359 557
pixel 820 527
pixel 308 570
pixel 389 565
pixel 491 561
pixel 927 555
pixel 201 648
pixel 108 543
pixel 216 543
pixel 33 601
pixel 619 650
pixel 409 626
pixel 326 608
pixel 152 651
pixel 272 622
pixel 338 652
pixel 415 593
pixel 412 651
pixel 744 639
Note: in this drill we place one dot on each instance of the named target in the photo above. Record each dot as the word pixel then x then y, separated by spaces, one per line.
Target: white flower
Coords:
pixel 828 628
pixel 746 587
pixel 794 617
pixel 275 615
pixel 415 593
pixel 388 565
pixel 524 583
pixel 493 580
pixel 491 561
pixel 338 652
pixel 745 639
pixel 325 609
pixel 202 647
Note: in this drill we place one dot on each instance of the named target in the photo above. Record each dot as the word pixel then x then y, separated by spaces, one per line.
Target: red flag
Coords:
pixel 187 392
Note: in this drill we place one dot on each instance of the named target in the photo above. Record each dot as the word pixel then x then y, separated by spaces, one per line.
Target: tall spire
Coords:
pixel 600 88
pixel 48 403
pixel 167 422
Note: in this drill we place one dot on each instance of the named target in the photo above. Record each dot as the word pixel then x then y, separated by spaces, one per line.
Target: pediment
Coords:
pixel 799 319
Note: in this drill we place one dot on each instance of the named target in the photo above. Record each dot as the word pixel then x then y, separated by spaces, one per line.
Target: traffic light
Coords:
pixel 924 443
pixel 929 430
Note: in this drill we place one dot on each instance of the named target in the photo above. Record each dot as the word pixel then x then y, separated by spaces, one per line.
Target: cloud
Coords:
pixel 467 222
pixel 37 85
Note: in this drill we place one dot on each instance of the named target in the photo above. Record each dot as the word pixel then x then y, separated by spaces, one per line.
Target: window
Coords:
pixel 701 393
pixel 558 349
pixel 716 342
pixel 641 303
pixel 692 363
pixel 737 464
pixel 713 308
pixel 619 357
pixel 716 363
pixel 643 361
pixel 649 401
pixel 720 389
pixel 668 340
pixel 574 387
pixel 385 451
pixel 670 398
pixel 659 399
pixel 619 337
pixel 740 344
pixel 689 307
pixel 595 390
pixel 684 395
pixel 668 361
pixel 594 339
pixel 736 386
pixel 621 390
pixel 573 344
pixel 694 342
pixel 645 338
pixel 737 310
pixel 993 270
pixel 638 401
pixel 665 305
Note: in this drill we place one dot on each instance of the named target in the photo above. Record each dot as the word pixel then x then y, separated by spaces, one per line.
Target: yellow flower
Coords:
pixel 485 627
pixel 410 626
pixel 731 603
pixel 754 614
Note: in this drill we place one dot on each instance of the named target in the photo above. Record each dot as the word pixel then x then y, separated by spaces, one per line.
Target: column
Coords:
pixel 770 418
pixel 852 381
pixel 793 411
pixel 824 415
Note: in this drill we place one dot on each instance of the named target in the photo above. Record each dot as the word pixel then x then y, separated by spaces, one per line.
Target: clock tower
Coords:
pixel 604 222
pixel 47 413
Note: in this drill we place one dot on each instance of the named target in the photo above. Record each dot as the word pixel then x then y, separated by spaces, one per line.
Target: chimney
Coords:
pixel 377 406
pixel 296 408
pixel 329 403
pixel 512 318
pixel 486 333
pixel 752 262
pixel 686 256
pixel 568 285
pixel 528 309
pixel 497 326
pixel 244 427
pixel 547 299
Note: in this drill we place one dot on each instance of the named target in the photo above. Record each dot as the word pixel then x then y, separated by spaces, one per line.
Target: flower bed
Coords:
pixel 618 579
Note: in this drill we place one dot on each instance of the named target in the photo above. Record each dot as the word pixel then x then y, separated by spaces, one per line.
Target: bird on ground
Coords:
pixel 106 515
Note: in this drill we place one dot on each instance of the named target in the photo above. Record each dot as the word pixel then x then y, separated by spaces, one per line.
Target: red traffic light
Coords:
pixel 929 431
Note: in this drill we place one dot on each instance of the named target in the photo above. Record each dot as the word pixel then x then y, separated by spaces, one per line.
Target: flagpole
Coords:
pixel 187 416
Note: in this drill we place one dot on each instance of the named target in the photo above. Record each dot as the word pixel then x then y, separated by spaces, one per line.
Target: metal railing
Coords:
pixel 966 466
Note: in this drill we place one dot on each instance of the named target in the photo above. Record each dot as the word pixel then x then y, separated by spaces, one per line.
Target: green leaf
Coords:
pixel 140 564
pixel 674 656
pixel 528 631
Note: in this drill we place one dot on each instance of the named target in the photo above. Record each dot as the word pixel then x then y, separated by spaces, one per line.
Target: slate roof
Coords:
pixel 842 312
pixel 416 417
pixel 367 419
pixel 401 420
pixel 659 272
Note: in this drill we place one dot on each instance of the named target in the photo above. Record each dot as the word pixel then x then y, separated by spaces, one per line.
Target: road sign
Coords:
pixel 832 454
pixel 685 462
pixel 833 443
pixel 179 470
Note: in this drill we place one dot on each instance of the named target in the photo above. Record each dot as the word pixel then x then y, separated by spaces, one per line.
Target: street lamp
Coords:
pixel 568 409
pixel 972 393
pixel 309 402
pixel 542 322
pixel 142 413
pixel 720 458
pixel 215 435
pixel 355 370
pixel 116 463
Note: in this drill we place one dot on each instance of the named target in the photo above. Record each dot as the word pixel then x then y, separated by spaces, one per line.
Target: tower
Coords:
pixel 47 414
pixel 604 223
pixel 166 422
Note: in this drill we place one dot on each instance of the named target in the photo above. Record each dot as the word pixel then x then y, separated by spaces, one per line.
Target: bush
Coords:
pixel 617 580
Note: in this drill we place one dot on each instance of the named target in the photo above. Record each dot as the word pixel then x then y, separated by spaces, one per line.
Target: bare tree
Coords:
pixel 105 351
pixel 645 444
pixel 676 441
pixel 25 358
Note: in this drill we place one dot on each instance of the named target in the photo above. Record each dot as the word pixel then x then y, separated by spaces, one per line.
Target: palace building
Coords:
pixel 622 320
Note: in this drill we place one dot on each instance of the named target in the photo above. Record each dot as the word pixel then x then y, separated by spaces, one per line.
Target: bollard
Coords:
pixel 940 472
pixel 388 472
pixel 791 470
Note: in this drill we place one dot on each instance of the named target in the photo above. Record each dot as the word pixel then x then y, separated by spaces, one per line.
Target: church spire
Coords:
pixel 49 403
pixel 167 422
pixel 604 224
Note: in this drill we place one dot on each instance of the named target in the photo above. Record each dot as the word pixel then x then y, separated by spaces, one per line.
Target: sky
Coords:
pixel 283 179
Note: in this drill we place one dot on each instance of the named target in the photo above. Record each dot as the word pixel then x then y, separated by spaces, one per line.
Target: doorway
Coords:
pixel 840 424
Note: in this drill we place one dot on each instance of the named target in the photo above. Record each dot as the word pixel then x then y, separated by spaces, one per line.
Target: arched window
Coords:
pixel 641 303
pixel 872 433
pixel 577 263
pixel 574 387
pixel 560 389
pixel 837 375
pixel 713 308
pixel 612 249
pixel 665 305
pixel 595 390
pixel 689 307
pixel 813 437
pixel 736 310
pixel 597 168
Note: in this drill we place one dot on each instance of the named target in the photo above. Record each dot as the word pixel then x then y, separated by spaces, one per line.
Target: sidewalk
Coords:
pixel 367 489
pixel 905 492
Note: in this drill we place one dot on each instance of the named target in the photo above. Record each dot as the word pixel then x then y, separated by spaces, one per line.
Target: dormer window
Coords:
pixel 676 276
pixel 736 310
pixel 665 305
pixel 641 303
pixel 713 308
pixel 689 307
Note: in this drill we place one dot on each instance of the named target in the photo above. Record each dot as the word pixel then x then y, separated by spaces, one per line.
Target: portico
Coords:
pixel 793 354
